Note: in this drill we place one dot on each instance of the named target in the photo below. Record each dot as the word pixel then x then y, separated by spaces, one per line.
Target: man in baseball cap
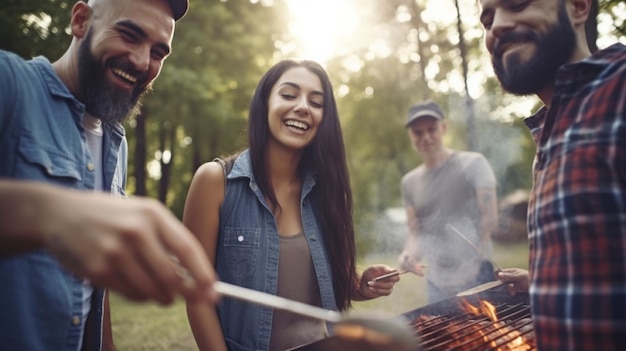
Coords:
pixel 423 109
pixel 449 187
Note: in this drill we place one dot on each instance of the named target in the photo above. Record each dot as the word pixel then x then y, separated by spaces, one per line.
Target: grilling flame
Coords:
pixel 500 329
pixel 489 310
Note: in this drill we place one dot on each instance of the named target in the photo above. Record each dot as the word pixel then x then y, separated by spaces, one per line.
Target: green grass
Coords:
pixel 149 326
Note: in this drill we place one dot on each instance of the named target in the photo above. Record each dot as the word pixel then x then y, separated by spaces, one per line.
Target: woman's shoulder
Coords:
pixel 210 170
pixel 208 178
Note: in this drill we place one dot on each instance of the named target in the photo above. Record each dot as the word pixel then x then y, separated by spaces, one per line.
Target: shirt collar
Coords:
pixel 49 75
pixel 243 168
pixel 572 75
pixel 58 88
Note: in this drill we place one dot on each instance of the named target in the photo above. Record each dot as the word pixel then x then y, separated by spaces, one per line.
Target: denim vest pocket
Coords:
pixel 241 251
pixel 39 163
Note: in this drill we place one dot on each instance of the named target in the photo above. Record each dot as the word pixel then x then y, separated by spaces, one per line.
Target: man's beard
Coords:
pixel 553 49
pixel 102 99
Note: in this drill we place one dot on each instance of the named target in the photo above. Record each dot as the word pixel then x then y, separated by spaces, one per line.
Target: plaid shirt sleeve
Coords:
pixel 577 210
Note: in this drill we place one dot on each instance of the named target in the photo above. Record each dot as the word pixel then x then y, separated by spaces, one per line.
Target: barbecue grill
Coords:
pixel 450 325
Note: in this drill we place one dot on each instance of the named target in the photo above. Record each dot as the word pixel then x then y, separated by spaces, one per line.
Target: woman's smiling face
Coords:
pixel 295 108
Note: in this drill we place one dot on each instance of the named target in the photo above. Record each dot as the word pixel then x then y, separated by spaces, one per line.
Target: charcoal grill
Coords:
pixel 446 325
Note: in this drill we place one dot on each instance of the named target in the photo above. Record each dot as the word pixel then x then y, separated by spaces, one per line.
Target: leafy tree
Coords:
pixel 615 9
pixel 199 105
pixel 198 110
pixel 35 27
pixel 421 62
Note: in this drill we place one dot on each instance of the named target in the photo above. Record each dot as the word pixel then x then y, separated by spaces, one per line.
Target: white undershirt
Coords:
pixel 93 134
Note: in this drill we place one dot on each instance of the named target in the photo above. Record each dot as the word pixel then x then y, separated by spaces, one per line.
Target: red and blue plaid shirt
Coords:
pixel 577 211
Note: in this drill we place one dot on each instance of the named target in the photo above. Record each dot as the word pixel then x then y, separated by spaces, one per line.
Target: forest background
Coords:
pixel 397 52
pixel 396 57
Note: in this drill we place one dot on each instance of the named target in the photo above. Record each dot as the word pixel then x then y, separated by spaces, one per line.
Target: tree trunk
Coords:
pixel 167 136
pixel 471 130
pixel 140 152
pixel 416 21
pixel 196 153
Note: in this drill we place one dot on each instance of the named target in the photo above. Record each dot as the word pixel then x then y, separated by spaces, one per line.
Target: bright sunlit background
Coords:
pixel 326 28
pixel 323 29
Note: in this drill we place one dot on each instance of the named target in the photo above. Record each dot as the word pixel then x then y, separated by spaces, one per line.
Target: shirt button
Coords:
pixel 240 238
pixel 76 320
pixel 90 166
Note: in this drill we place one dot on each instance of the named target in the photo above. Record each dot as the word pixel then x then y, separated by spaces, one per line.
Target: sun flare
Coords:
pixel 321 28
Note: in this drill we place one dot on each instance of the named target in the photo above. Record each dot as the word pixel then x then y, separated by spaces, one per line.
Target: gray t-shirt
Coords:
pixel 447 195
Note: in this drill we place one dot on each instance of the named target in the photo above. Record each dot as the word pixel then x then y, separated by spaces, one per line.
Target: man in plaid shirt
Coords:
pixel 577 210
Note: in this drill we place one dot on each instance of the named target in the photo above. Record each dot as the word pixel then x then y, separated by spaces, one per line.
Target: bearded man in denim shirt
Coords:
pixel 60 127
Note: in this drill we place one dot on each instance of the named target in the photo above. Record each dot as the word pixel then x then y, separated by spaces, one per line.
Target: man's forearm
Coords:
pixel 488 206
pixel 488 225
pixel 23 213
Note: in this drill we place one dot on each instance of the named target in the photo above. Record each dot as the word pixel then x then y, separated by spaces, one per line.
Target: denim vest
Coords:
pixel 42 140
pixel 247 255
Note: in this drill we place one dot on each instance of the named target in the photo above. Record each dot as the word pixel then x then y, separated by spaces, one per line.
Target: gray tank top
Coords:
pixel 296 281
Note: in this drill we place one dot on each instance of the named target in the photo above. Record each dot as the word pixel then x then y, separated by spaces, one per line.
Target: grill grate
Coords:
pixel 467 331
pixel 445 325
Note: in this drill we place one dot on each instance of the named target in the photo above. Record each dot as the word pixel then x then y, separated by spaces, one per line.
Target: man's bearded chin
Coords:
pixel 103 100
pixel 113 107
pixel 553 49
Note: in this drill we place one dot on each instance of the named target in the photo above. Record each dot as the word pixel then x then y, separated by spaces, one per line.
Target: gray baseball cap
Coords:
pixel 424 109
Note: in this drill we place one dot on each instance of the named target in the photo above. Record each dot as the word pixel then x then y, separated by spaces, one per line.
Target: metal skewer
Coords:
pixel 385 276
pixel 481 252
pixel 481 288
pixel 391 274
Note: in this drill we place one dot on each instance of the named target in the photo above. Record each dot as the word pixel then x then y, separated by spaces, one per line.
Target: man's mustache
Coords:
pixel 510 38
pixel 126 66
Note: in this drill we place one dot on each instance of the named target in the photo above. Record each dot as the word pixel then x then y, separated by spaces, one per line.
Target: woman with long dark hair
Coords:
pixel 277 217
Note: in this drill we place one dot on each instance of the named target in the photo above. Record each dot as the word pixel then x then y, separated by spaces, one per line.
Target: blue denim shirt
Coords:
pixel 41 139
pixel 247 255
